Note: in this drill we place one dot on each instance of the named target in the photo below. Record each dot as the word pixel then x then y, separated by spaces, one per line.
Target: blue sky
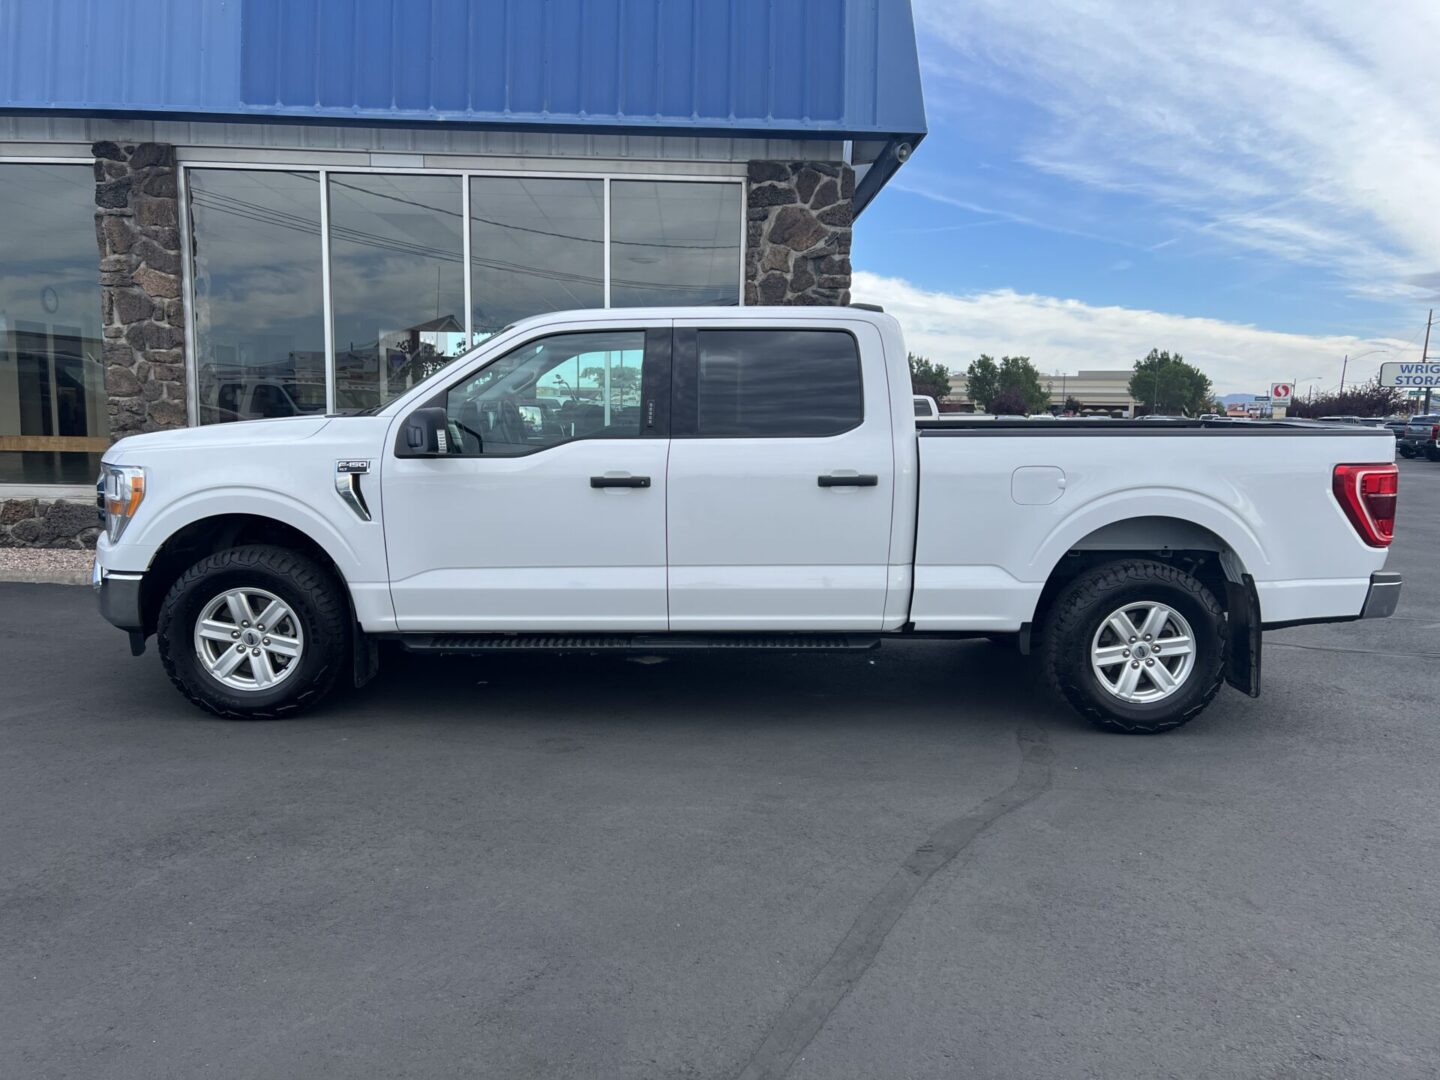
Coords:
pixel 1256 187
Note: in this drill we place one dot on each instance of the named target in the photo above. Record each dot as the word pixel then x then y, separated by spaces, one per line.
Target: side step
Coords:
pixel 648 643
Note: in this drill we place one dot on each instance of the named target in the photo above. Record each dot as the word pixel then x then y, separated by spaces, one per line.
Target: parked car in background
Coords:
pixel 1396 425
pixel 1421 436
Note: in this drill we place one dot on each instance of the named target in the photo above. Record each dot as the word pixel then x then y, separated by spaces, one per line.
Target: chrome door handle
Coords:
pixel 619 481
pixel 860 480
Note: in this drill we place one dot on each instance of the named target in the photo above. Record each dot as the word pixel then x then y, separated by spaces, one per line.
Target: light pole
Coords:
pixel 1346 363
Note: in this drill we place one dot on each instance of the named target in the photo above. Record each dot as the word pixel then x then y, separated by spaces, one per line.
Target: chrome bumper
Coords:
pixel 1384 594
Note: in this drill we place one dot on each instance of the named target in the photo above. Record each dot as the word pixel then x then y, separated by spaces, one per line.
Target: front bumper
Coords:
pixel 119 596
pixel 1384 594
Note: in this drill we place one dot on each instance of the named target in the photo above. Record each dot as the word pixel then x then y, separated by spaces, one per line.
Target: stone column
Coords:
pixel 137 227
pixel 797 236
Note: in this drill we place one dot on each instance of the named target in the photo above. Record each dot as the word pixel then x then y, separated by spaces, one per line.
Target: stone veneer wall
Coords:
pixel 48 523
pixel 797 236
pixel 137 227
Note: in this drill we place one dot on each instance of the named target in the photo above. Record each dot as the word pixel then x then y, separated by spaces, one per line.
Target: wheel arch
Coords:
pixel 1196 548
pixel 219 532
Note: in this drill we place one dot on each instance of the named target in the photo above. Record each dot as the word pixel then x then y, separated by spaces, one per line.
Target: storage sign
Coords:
pixel 1398 373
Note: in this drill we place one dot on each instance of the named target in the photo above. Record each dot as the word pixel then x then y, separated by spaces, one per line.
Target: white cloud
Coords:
pixel 1306 130
pixel 1068 335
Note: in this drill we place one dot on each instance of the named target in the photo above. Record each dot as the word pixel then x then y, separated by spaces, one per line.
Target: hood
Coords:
pixel 239 434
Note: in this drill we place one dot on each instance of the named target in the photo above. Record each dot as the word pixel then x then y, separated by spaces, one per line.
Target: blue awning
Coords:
pixel 774 68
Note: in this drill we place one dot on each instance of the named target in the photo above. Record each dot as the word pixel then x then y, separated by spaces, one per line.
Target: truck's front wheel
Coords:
pixel 254 633
pixel 1136 646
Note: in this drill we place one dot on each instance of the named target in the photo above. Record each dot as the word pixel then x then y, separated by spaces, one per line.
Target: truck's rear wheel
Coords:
pixel 254 633
pixel 1135 646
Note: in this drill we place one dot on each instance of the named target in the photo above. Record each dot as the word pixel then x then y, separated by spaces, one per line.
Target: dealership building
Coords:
pixel 216 210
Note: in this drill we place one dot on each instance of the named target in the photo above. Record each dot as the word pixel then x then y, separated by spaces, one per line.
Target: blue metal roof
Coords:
pixel 783 68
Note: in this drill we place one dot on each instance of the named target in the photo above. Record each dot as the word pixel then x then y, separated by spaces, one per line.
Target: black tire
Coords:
pixel 312 594
pixel 1431 454
pixel 1083 605
pixel 1406 452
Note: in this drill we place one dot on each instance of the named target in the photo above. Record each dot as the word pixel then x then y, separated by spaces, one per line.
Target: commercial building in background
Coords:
pixel 1105 391
pixel 224 209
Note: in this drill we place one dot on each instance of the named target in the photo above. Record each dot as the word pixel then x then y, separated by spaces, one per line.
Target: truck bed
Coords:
pixel 1002 503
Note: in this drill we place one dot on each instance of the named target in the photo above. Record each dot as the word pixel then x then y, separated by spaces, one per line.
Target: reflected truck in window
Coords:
pixel 751 478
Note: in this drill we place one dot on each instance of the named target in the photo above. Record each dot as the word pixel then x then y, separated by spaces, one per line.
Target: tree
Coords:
pixel 1072 405
pixel 928 378
pixel 1167 385
pixel 1364 399
pixel 983 381
pixel 1013 376
pixel 623 380
pixel 1009 402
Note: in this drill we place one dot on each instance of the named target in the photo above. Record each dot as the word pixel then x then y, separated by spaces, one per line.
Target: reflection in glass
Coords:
pixel 53 419
pixel 259 317
pixel 777 383
pixel 536 245
pixel 674 243
pixel 397 282
pixel 562 387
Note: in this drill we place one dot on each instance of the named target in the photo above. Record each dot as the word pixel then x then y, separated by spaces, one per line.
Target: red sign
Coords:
pixel 1281 392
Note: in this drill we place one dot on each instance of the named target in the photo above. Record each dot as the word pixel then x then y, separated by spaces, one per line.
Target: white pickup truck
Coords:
pixel 753 478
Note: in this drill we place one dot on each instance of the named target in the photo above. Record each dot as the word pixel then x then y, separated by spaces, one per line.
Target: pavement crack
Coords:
pixel 1357 652
pixel 808 1010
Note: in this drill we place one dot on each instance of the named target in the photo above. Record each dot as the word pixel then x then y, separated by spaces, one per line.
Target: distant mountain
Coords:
pixel 1238 399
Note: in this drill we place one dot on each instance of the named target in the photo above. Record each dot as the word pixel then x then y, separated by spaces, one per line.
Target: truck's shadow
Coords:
pixel 949 682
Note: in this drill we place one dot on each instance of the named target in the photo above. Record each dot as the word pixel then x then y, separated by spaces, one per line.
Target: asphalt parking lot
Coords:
pixel 903 864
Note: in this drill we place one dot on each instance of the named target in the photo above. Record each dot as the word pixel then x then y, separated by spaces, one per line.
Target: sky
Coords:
pixel 1256 186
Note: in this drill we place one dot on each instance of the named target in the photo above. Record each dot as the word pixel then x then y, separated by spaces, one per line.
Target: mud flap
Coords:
pixel 365 656
pixel 1242 665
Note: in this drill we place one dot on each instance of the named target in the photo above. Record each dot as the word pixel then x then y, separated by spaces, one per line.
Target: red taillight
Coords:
pixel 1367 494
pixel 1434 432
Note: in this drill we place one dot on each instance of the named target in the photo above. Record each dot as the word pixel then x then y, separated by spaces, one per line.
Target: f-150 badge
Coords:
pixel 355 465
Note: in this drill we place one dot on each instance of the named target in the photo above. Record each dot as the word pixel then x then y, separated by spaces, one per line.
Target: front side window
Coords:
pixel 777 383
pixel 550 391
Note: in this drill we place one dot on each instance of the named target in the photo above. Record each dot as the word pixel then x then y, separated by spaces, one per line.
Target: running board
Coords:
pixel 647 643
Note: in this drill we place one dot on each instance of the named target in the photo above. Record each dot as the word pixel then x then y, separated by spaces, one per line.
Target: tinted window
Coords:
pixel 536 245
pixel 53 417
pixel 777 383
pixel 397 281
pixel 259 315
pixel 559 388
pixel 674 243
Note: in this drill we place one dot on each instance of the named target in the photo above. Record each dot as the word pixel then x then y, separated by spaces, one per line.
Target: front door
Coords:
pixel 781 480
pixel 548 511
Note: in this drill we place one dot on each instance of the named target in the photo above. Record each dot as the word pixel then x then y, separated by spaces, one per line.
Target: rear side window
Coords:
pixel 777 383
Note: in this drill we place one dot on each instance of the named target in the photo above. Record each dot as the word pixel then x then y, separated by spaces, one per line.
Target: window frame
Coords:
pixel 288 164
pixel 685 379
pixel 656 372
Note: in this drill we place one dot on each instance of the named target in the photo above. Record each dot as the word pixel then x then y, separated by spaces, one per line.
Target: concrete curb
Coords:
pixel 45 577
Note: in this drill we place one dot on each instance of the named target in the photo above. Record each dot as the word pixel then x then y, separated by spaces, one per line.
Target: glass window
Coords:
pixel 53 420
pixel 536 245
pixel 397 282
pixel 674 243
pixel 559 388
pixel 777 383
pixel 259 316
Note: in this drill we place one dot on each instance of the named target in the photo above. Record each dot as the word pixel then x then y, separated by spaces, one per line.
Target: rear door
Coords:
pixel 781 477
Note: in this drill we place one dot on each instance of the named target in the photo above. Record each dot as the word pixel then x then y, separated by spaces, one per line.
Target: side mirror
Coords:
pixel 425 433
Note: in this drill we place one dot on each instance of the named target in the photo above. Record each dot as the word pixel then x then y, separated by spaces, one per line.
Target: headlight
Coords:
pixel 124 491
